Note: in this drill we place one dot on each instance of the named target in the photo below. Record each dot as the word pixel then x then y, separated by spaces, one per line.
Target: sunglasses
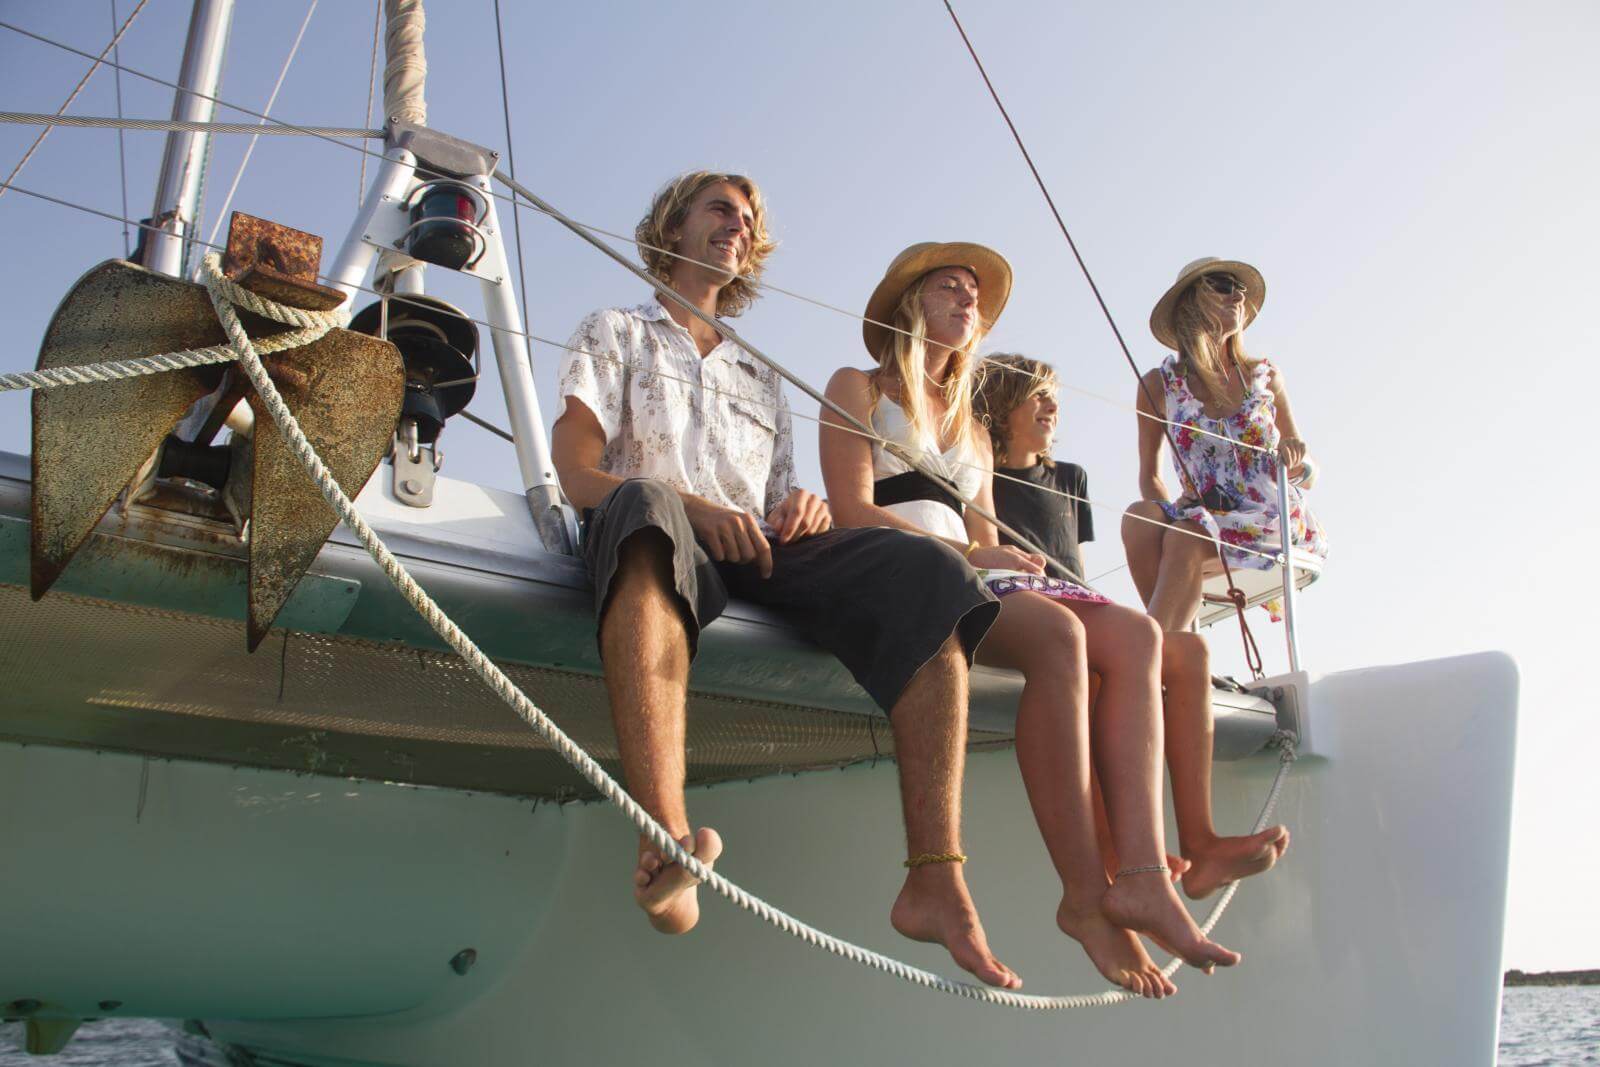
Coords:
pixel 1223 284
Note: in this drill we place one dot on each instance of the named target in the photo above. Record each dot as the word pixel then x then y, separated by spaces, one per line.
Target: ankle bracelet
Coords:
pixel 935 857
pixel 1148 868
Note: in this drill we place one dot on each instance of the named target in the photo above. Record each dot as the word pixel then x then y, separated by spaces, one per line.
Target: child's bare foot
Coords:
pixel 1116 952
pixel 1228 859
pixel 934 906
pixel 1148 904
pixel 666 891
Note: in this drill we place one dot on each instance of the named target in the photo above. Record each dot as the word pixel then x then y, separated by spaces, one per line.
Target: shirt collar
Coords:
pixel 654 311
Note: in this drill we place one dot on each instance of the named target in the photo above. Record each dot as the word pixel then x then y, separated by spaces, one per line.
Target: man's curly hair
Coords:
pixel 667 213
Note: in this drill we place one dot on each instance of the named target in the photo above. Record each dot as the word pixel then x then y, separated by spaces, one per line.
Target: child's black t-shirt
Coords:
pixel 1053 522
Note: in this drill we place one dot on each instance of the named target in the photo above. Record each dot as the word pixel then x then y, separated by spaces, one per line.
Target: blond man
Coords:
pixel 678 445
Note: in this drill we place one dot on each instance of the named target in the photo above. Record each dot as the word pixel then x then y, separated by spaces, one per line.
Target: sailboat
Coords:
pixel 256 791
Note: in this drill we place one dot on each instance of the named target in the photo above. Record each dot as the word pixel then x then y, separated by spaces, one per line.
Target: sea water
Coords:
pixel 1554 1026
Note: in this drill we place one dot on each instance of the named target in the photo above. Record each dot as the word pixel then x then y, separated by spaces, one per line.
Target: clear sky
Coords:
pixel 1416 181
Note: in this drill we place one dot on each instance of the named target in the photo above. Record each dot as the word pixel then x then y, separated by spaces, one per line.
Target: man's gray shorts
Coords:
pixel 883 601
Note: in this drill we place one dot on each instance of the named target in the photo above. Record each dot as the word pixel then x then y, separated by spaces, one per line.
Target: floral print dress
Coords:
pixel 1238 486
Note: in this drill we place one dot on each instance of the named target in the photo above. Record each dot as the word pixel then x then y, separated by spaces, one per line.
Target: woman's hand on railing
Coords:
pixel 1291 450
pixel 1006 558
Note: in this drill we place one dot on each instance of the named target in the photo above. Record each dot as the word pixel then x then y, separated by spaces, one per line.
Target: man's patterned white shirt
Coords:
pixel 716 426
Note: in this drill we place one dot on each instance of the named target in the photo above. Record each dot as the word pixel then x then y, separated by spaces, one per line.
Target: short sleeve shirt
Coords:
pixel 1058 524
pixel 716 426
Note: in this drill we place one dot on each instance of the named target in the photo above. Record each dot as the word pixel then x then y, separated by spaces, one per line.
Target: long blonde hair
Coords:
pixel 904 362
pixel 1196 327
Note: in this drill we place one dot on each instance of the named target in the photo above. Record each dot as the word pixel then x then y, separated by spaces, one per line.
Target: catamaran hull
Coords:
pixel 319 920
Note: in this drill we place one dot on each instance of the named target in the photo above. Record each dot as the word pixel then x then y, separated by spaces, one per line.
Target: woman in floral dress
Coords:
pixel 1216 399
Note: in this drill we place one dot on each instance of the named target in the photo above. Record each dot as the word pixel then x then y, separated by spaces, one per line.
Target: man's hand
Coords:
pixel 730 535
pixel 800 515
pixel 1006 558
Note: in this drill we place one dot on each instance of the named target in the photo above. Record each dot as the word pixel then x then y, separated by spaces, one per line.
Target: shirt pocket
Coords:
pixel 746 412
pixel 750 401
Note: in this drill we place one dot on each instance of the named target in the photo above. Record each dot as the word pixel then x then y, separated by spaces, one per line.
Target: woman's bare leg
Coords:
pixel 1215 860
pixel 1175 600
pixel 1035 636
pixel 1124 648
pixel 1143 529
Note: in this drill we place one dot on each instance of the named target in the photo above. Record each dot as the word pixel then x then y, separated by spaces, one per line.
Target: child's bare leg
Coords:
pixel 1215 860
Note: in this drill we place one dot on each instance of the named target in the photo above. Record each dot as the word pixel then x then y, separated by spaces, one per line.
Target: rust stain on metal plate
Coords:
pixel 277 262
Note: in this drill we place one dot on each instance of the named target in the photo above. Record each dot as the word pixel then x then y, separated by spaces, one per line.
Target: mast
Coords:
pixel 177 202
pixel 405 79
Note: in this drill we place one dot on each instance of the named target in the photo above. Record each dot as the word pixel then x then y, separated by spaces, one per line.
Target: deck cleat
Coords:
pixel 93 443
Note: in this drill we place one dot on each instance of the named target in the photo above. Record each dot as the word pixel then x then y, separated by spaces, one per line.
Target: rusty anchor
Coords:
pixel 93 442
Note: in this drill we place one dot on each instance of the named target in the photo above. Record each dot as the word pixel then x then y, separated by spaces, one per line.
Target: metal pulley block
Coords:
pixel 90 441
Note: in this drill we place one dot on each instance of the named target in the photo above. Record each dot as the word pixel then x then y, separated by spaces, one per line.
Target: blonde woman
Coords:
pixel 1213 393
pixel 941 299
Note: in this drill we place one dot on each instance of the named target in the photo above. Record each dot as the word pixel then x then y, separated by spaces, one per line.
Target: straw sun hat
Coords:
pixel 1255 294
pixel 991 268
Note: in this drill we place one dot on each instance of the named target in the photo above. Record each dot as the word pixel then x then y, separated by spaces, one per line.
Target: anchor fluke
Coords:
pixel 92 442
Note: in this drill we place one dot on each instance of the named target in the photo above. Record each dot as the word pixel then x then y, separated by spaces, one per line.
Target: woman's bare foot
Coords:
pixel 1148 904
pixel 1228 859
pixel 1176 864
pixel 666 891
pixel 1116 952
pixel 934 906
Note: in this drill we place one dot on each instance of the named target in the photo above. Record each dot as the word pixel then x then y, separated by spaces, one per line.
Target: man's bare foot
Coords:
pixel 1228 859
pixel 666 891
pixel 934 906
pixel 1116 952
pixel 1148 904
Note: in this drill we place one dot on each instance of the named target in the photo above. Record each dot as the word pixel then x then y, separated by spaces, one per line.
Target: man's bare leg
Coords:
pixel 646 652
pixel 1045 642
pixel 930 739
pixel 1215 861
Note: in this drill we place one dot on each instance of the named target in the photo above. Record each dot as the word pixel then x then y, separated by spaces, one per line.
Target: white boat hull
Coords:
pixel 314 919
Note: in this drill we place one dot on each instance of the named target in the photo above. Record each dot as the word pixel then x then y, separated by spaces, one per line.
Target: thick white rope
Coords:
pixel 117 369
pixel 222 292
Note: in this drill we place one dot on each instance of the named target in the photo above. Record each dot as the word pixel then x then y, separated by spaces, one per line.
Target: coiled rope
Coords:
pixel 225 296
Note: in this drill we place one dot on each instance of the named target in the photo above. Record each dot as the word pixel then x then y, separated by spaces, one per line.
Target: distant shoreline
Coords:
pixel 1520 978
